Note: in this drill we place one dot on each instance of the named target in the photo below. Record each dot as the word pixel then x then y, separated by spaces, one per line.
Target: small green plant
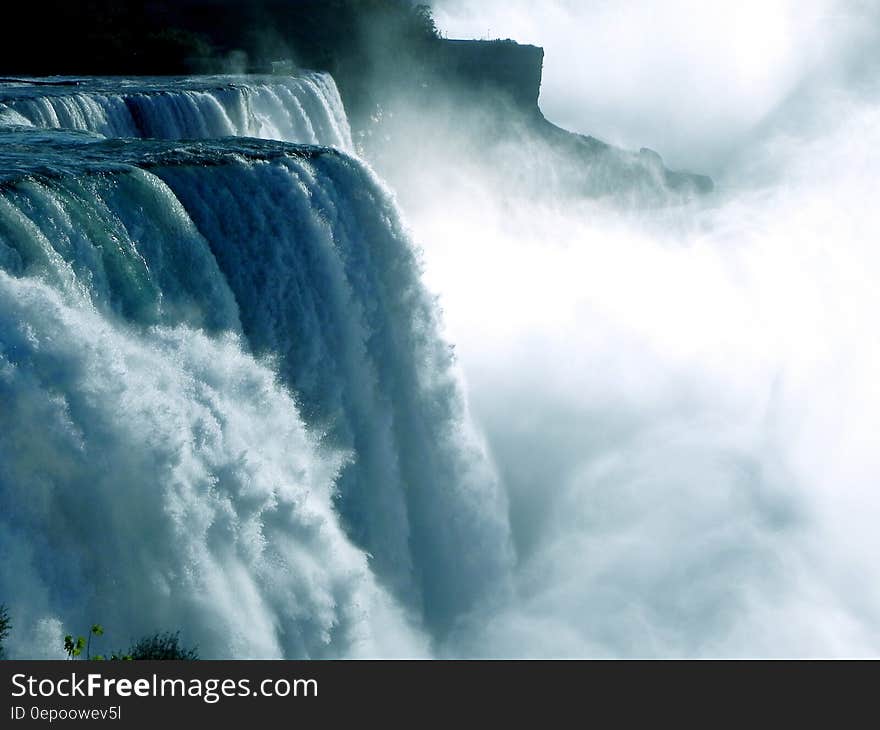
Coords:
pixel 97 630
pixel 74 647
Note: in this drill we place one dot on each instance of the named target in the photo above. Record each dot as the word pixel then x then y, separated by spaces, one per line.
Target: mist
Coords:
pixel 693 80
pixel 680 400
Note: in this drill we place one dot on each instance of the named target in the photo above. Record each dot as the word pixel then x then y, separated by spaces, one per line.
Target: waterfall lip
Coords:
pixel 27 152
pixel 303 108
pixel 26 81
pixel 16 88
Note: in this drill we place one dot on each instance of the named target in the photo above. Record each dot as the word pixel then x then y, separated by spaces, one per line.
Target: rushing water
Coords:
pixel 226 407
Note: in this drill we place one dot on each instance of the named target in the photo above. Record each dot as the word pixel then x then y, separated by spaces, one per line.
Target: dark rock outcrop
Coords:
pixel 492 67
pixel 479 100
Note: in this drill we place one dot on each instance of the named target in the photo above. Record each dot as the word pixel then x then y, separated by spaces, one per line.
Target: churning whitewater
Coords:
pixel 227 409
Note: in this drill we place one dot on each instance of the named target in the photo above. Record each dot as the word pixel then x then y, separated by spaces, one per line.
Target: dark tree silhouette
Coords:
pixel 164 646
pixel 5 627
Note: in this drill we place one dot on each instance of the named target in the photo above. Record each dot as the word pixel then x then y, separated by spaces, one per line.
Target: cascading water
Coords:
pixel 304 108
pixel 226 408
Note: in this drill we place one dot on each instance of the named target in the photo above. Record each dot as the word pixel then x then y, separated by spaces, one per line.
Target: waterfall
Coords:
pixel 305 108
pixel 226 405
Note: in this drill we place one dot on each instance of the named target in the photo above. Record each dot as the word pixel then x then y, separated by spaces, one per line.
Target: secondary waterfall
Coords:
pixel 304 108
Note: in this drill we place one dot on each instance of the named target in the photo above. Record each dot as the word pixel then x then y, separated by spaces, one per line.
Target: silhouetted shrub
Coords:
pixel 162 646
pixel 5 627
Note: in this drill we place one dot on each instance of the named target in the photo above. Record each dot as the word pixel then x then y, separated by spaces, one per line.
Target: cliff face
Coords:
pixel 483 97
pixel 504 67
